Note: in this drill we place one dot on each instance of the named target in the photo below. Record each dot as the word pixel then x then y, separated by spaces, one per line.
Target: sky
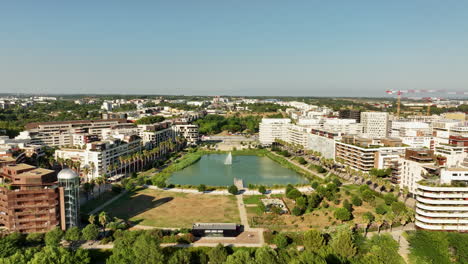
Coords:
pixel 256 47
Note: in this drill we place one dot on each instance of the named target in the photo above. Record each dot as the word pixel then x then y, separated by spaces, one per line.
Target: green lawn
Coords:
pixel 94 203
pixel 252 199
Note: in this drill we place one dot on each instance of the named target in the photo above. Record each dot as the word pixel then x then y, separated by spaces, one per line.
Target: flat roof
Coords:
pixel 21 166
pixel 7 159
pixel 215 226
pixel 35 173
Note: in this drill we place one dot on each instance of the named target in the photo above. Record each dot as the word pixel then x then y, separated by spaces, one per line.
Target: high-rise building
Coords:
pixel 374 124
pixel 350 114
pixel 273 128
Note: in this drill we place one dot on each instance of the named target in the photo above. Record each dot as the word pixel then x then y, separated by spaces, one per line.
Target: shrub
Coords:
pixel 301 161
pixel 347 205
pixel 368 196
pixel 201 188
pixel 296 211
pixel 356 201
pixel 315 184
pixel 233 190
pixel 294 194
pixel 262 189
pixel 342 214
pixel 389 198
pixel 281 241
pixel 381 210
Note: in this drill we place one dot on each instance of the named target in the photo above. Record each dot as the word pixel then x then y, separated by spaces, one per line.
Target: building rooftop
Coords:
pixel 21 166
pixel 215 226
pixel 35 173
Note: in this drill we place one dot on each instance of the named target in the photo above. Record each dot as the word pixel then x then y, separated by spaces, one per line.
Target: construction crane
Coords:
pixel 399 93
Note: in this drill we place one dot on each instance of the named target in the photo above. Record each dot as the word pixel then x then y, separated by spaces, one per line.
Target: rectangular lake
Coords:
pixel 211 170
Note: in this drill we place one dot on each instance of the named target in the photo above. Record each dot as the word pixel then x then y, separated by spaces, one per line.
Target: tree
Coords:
pixel 383 249
pixel 342 214
pixel 308 257
pixel 233 190
pixel 296 211
pixel 368 217
pixel 92 219
pixel 218 254
pixel 356 201
pixel 368 196
pixel 343 245
pixel 73 234
pixel 181 256
pixel 301 161
pixel 35 238
pixel 240 257
pixel 53 237
pixel 301 202
pixel 9 245
pixel 381 210
pixel 281 241
pixel 399 208
pixel 293 194
pixel 51 254
pixel 347 205
pixel 262 189
pixel 202 188
pixel 389 198
pixel 103 219
pixel 90 232
pixel 266 255
pixel 313 240
pixel 313 201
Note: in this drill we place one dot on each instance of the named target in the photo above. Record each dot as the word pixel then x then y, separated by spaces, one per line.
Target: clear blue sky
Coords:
pixel 309 48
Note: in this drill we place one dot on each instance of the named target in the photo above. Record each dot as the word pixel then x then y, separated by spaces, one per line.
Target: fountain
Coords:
pixel 228 160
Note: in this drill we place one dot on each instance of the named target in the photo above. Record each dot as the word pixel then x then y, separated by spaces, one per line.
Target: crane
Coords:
pixel 399 93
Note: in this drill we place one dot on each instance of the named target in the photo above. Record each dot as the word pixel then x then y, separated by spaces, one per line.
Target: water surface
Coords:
pixel 211 170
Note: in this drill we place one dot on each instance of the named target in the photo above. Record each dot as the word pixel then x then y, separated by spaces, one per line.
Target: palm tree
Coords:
pixel 103 219
pixel 379 220
pixel 405 192
pixel 86 172
pixel 92 219
pixel 368 218
pixel 391 218
pixel 99 181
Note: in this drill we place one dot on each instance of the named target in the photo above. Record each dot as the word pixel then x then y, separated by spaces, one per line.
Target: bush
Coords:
pixel 315 184
pixel 381 210
pixel 201 188
pixel 347 205
pixel 296 211
pixel 356 201
pixel 342 214
pixel 294 194
pixel 281 241
pixel 233 190
pixel 368 196
pixel 302 161
pixel 262 189
pixel 389 198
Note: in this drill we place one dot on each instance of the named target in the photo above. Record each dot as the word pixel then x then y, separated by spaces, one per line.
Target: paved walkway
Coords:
pixel 245 191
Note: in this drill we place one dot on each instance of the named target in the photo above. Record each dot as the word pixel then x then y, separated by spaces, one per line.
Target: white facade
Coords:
pixel 273 128
pixel 324 145
pixel 187 131
pixel 374 124
pixel 410 172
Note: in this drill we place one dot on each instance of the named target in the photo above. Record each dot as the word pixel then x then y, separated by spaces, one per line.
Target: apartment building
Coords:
pixel 416 165
pixel 29 199
pixel 187 131
pixel 273 128
pixel 374 124
pixel 297 135
pixel 152 135
pixel 100 157
pixel 61 133
pixel 365 153
pixel 442 204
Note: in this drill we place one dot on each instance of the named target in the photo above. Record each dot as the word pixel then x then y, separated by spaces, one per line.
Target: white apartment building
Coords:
pixel 374 124
pixel 297 135
pixel 273 128
pixel 100 155
pixel 153 135
pixel 343 126
pixel 61 133
pixel 187 131
pixel 323 144
pixel 443 204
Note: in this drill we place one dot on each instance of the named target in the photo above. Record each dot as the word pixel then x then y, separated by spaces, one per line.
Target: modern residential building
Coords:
pixel 153 135
pixel 272 129
pixel 29 199
pixel 374 124
pixel 187 131
pixel 442 203
pixel 61 133
pixel 100 157
pixel 416 165
pixel 363 153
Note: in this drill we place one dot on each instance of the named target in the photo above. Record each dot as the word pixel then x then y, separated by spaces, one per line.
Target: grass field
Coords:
pixel 171 209
pixel 93 203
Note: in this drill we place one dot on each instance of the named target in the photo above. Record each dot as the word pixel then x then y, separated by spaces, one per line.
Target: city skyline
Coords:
pixel 264 48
